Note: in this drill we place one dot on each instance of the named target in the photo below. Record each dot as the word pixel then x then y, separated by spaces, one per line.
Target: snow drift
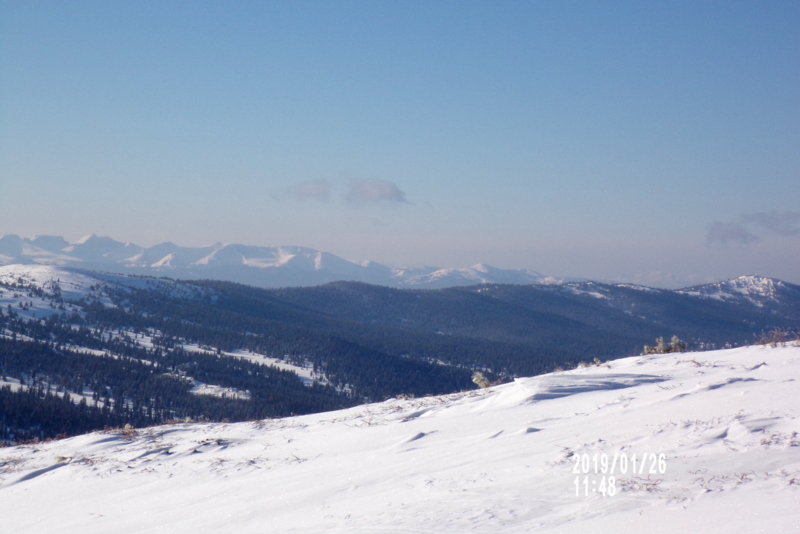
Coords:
pixel 527 456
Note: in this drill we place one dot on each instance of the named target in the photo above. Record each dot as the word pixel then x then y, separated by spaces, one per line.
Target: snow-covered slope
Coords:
pixel 261 266
pixel 477 274
pixel 38 290
pixel 72 284
pixel 756 290
pixel 695 442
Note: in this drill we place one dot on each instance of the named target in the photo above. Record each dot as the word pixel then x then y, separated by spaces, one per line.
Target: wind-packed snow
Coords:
pixel 494 460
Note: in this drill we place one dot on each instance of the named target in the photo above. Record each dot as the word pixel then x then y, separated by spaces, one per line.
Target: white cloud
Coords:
pixel 726 233
pixel 751 227
pixel 374 191
pixel 354 193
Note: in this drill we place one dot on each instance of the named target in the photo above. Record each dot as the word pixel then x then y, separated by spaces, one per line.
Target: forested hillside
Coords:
pixel 82 350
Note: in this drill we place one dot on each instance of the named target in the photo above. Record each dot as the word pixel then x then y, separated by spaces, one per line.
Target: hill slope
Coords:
pixel 82 350
pixel 696 442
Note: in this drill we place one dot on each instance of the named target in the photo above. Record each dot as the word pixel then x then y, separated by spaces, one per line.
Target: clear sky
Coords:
pixel 656 142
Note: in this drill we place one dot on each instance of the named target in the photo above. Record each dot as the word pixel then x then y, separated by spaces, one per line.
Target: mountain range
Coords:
pixel 81 350
pixel 284 266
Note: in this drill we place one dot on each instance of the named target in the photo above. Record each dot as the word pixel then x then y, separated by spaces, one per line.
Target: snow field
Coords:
pixel 495 460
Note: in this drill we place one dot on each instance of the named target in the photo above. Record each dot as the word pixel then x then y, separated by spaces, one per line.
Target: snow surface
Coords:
pixel 213 390
pixel 73 285
pixel 585 288
pixel 494 460
pixel 41 382
pixel 305 374
pixel 17 281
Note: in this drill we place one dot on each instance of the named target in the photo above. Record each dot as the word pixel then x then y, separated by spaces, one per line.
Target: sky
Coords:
pixel 649 142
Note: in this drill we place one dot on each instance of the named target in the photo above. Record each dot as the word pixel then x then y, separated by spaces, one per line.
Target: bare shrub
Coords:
pixel 777 337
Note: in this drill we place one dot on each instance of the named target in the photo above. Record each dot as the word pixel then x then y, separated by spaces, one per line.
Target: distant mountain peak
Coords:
pixel 87 238
pixel 51 243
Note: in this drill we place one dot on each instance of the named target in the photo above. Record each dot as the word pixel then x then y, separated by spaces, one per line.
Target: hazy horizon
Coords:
pixel 660 280
pixel 638 142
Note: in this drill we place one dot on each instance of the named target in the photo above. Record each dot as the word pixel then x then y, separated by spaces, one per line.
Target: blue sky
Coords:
pixel 644 141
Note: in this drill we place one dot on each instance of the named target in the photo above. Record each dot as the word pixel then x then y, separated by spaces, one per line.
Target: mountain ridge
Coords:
pixel 278 266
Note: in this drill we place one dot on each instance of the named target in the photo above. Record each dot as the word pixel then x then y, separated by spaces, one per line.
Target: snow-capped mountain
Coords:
pixel 677 443
pixel 260 266
pixel 757 290
pixel 477 274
